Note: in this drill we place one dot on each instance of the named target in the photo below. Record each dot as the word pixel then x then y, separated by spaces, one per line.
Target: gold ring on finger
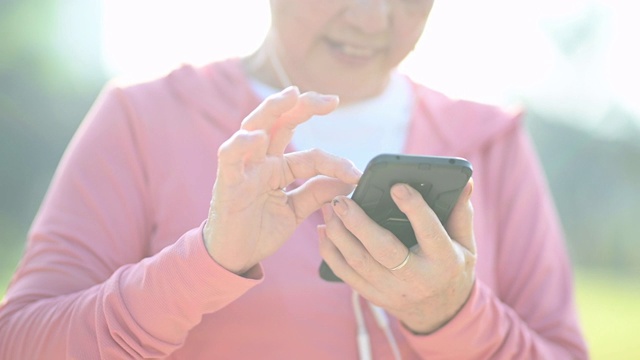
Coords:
pixel 403 263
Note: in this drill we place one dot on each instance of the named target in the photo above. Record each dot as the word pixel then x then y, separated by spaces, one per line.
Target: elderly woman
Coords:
pixel 132 254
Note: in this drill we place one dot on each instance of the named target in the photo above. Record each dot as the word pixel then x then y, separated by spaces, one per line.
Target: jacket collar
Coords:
pixel 439 126
pixel 221 91
pixel 453 127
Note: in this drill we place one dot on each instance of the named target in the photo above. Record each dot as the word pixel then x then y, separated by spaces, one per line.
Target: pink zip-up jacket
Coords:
pixel 115 265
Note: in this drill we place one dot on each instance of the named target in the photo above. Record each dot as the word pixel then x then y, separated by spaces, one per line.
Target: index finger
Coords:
pixel 280 113
pixel 308 105
pixel 381 243
pixel 267 113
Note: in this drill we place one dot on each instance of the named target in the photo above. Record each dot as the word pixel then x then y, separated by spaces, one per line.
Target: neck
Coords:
pixel 266 66
pixel 277 67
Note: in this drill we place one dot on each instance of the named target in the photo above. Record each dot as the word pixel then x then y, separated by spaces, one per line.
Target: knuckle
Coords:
pixel 331 231
pixel 271 99
pixel 392 255
pixel 226 147
pixel 317 154
pixel 360 262
pixel 459 265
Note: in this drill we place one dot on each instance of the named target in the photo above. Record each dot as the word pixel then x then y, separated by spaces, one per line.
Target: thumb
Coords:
pixel 460 223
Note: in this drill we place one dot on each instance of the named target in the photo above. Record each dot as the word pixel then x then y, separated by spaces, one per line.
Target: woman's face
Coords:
pixel 345 47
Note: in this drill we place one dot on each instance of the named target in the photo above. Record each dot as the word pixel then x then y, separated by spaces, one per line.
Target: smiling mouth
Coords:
pixel 355 51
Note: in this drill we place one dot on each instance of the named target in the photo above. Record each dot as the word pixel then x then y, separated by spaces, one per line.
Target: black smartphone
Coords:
pixel 439 179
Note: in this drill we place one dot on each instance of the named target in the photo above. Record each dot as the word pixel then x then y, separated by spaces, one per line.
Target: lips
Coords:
pixel 361 52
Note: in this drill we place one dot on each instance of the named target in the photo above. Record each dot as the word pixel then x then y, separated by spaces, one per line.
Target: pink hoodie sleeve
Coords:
pixel 87 287
pixel 531 313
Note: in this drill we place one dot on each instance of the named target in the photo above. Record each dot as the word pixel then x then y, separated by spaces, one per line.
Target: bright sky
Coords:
pixel 481 50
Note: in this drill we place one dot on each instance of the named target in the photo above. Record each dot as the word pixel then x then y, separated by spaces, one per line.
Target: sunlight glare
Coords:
pixel 470 49
pixel 144 38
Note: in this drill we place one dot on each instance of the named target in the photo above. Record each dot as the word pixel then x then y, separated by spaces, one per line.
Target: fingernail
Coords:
pixel 401 191
pixel 340 206
pixel 329 98
pixel 289 89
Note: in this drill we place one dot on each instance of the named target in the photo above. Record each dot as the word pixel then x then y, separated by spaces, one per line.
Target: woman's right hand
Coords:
pixel 251 215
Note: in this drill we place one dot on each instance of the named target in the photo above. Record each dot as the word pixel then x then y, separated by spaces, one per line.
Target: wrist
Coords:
pixel 420 324
pixel 427 322
pixel 207 237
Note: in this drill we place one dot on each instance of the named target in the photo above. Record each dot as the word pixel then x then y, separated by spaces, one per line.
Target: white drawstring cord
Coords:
pixel 364 343
pixel 283 78
pixel 383 323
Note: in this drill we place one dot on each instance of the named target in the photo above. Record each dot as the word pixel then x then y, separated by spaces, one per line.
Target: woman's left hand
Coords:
pixel 437 279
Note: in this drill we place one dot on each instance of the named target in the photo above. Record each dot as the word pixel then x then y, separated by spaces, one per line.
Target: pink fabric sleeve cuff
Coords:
pixel 182 282
pixel 255 273
pixel 467 330
pixel 215 281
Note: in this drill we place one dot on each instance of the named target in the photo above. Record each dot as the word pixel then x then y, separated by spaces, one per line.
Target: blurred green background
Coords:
pixel 52 66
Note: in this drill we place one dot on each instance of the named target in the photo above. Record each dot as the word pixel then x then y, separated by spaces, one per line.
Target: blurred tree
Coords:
pixel 595 182
pixel 43 97
pixel 588 144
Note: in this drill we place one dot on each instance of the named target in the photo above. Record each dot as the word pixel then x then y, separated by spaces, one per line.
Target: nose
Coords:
pixel 369 16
